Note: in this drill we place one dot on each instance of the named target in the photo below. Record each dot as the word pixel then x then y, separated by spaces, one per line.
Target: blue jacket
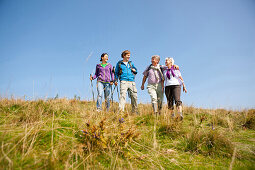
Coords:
pixel 127 74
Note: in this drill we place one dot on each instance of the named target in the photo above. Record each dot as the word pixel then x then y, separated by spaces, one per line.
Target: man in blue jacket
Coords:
pixel 125 71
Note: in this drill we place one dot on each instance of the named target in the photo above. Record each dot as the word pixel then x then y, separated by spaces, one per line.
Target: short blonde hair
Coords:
pixel 171 59
pixel 156 56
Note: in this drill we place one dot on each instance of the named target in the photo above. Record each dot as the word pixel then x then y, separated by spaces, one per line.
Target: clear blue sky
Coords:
pixel 45 46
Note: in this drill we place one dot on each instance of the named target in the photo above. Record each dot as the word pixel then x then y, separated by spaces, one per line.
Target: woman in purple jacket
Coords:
pixel 105 78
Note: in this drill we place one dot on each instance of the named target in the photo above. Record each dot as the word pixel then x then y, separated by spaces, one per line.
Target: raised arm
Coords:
pixel 176 67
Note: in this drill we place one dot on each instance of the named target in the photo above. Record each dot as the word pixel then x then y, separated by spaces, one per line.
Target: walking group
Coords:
pixel 161 78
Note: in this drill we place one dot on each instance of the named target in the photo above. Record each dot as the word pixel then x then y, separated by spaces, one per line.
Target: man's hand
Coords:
pixel 115 83
pixel 133 70
pixel 111 83
pixel 91 78
pixel 176 67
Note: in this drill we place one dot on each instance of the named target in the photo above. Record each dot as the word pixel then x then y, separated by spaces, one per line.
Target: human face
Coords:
pixel 154 61
pixel 126 57
pixel 105 58
pixel 169 63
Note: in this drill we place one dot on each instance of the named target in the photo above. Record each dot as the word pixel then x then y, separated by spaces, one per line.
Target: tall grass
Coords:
pixel 70 134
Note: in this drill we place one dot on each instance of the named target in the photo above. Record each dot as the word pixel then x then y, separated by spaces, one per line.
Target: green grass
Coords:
pixel 70 134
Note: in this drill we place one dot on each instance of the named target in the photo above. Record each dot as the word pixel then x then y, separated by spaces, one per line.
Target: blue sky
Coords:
pixel 50 47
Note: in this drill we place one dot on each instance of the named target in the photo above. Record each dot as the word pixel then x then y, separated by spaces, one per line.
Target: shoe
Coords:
pixel 181 118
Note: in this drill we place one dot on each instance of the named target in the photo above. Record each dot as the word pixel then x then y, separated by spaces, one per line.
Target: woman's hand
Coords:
pixel 115 83
pixel 111 83
pixel 91 78
pixel 184 89
pixel 142 87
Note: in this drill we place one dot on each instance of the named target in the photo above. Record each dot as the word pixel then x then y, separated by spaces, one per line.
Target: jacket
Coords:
pixel 104 74
pixel 125 73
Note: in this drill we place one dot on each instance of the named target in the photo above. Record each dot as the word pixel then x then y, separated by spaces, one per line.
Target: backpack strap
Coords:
pixel 148 69
pixel 120 69
pixel 161 74
pixel 129 62
pixel 160 71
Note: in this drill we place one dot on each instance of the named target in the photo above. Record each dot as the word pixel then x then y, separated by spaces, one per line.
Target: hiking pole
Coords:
pixel 118 92
pixel 113 69
pixel 111 93
pixel 91 84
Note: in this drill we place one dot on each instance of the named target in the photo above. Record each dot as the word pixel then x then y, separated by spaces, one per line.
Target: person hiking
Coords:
pixel 154 73
pixel 173 83
pixel 105 78
pixel 125 71
pixel 155 83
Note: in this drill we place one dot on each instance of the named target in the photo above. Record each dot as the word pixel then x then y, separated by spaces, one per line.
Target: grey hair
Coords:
pixel 156 56
pixel 169 58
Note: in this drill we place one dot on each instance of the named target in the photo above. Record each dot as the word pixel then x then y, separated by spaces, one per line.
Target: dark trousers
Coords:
pixel 173 94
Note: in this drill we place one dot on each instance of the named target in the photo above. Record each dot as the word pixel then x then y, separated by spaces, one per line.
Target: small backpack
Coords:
pixel 161 69
pixel 120 69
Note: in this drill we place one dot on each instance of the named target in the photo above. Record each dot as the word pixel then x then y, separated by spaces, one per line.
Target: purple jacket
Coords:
pixel 102 74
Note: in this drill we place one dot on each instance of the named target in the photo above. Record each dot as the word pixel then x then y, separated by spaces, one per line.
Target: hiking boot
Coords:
pixel 98 110
pixel 181 117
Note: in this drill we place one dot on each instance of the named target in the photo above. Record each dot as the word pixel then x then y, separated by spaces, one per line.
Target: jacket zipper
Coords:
pixel 104 74
pixel 127 72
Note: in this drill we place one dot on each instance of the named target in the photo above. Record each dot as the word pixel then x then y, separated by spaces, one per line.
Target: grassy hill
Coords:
pixel 70 134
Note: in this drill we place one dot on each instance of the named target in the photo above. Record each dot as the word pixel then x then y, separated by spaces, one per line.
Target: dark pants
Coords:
pixel 173 94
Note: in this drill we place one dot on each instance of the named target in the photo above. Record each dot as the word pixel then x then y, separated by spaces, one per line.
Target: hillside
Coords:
pixel 70 134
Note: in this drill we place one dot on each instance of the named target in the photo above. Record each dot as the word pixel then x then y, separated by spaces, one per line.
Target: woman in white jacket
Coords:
pixel 173 83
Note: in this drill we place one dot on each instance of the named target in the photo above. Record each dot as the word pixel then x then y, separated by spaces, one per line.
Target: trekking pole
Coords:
pixel 92 88
pixel 113 69
pixel 112 91
pixel 111 94
pixel 118 92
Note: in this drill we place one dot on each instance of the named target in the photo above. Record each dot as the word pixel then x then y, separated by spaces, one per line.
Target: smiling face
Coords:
pixel 126 57
pixel 169 63
pixel 105 58
pixel 154 61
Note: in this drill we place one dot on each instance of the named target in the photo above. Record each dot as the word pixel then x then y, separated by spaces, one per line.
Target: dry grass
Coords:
pixel 70 134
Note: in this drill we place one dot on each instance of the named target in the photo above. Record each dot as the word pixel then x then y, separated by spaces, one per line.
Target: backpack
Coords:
pixel 161 69
pixel 120 69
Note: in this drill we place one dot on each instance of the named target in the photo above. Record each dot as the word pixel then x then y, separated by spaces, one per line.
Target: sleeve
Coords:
pixel 178 73
pixel 117 72
pixel 146 72
pixel 96 73
pixel 134 68
pixel 163 67
pixel 111 72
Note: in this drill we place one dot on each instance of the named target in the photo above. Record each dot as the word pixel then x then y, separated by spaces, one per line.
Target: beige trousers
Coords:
pixel 156 93
pixel 130 87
